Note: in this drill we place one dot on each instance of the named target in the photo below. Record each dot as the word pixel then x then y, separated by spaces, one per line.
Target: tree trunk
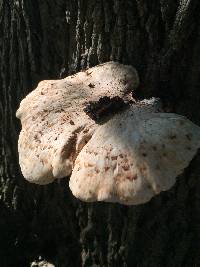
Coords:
pixel 51 39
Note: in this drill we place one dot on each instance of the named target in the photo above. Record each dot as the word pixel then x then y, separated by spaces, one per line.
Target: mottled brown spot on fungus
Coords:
pixel 85 131
pixel 114 158
pixel 126 167
pixel 97 170
pixel 90 165
pixel 90 192
pixel 71 122
pixel 133 177
pixel 88 72
pixel 91 85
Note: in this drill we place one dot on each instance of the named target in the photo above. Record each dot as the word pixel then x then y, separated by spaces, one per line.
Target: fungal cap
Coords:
pixel 134 156
pixel 54 124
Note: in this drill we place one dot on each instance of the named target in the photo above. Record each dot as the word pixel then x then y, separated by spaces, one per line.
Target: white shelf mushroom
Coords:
pixel 54 124
pixel 134 156
pixel 126 158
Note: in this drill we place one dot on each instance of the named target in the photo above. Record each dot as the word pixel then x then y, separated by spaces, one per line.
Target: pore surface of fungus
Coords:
pixel 54 124
pixel 134 156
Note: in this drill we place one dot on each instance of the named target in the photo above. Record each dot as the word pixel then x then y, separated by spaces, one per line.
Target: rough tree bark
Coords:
pixel 50 39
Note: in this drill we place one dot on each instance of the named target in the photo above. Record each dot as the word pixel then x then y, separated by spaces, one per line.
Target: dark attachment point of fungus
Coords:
pixel 105 107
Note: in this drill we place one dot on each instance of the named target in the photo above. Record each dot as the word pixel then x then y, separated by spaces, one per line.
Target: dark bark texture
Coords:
pixel 50 39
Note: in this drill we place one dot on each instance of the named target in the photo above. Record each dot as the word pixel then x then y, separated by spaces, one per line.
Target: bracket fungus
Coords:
pixel 127 158
pixel 134 156
pixel 55 126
